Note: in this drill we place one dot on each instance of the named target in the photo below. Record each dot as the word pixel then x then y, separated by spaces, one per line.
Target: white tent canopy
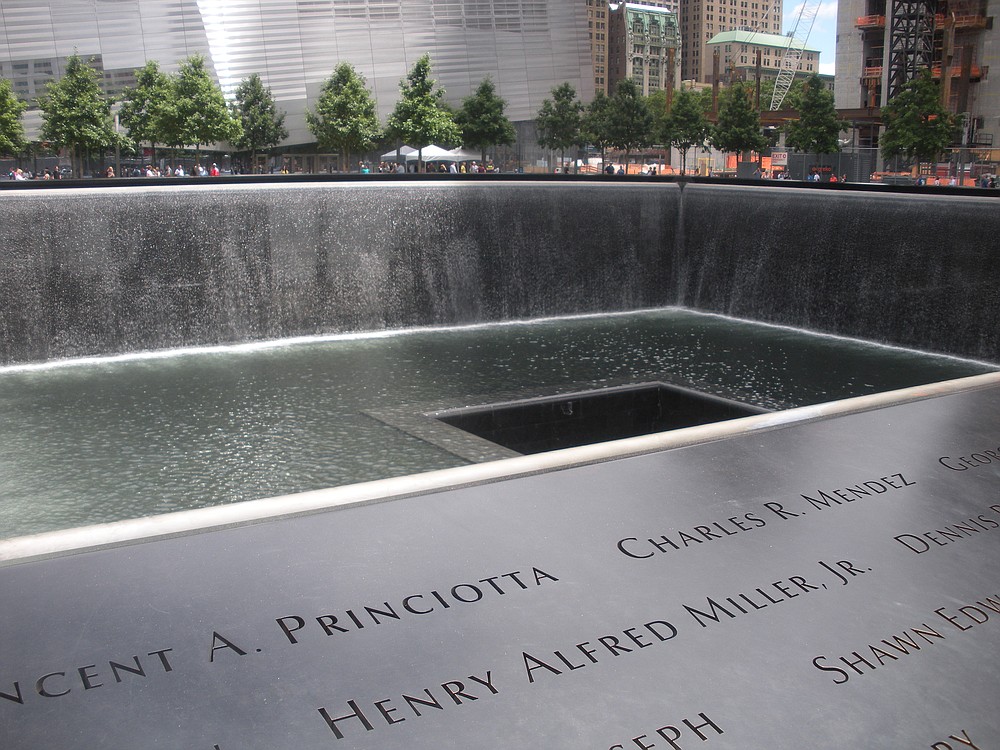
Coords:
pixel 404 151
pixel 431 153
pixel 460 154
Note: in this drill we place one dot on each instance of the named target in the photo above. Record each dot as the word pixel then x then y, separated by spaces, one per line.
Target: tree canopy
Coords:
pixel 560 119
pixel 261 124
pixel 75 114
pixel 11 128
pixel 687 126
pixel 197 112
pixel 656 102
pixel 738 129
pixel 596 123
pixel 420 117
pixel 791 100
pixel 345 119
pixel 817 128
pixel 482 119
pixel 917 125
pixel 630 119
pixel 142 104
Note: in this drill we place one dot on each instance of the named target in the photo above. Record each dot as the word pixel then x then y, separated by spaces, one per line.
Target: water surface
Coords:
pixel 121 439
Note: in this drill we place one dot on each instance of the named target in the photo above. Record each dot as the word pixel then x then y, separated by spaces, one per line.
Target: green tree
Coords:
pixel 631 122
pixel 687 126
pixel 705 95
pixel 816 130
pixel 345 119
pixel 141 104
pixel 261 124
pixel 656 102
pixel 916 124
pixel 738 129
pixel 11 128
pixel 197 113
pixel 791 100
pixel 482 119
pixel 420 117
pixel 75 114
pixel 559 122
pixel 596 123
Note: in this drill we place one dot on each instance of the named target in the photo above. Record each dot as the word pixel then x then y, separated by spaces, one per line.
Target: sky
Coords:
pixel 824 31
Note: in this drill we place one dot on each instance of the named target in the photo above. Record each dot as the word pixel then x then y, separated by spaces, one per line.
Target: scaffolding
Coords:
pixel 911 41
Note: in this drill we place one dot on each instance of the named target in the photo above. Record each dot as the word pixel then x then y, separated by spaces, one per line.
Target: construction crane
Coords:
pixel 793 52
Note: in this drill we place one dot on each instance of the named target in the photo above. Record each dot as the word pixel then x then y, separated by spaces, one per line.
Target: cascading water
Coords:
pixel 101 271
pixel 141 268
pixel 116 270
pixel 913 270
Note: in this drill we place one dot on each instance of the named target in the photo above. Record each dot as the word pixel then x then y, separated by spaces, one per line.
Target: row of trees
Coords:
pixel 180 110
pixel 345 118
pixel 626 121
pixel 188 109
pixel 917 125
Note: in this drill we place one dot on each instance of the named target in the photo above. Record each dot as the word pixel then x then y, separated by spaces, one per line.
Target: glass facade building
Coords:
pixel 527 47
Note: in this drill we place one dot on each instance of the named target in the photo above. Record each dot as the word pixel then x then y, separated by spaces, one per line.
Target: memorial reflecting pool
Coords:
pixel 120 439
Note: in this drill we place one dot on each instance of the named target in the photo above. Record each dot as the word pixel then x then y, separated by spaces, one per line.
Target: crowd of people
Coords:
pixel 27 174
pixel 430 167
pixel 178 170
pixel 452 167
pixel 150 170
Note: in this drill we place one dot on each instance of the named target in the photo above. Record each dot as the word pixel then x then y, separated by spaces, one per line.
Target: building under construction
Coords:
pixel 883 44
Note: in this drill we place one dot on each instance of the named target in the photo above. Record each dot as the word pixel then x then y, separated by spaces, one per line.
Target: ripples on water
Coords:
pixel 121 439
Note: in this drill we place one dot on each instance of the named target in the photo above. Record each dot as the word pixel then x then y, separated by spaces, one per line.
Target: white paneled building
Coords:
pixel 526 46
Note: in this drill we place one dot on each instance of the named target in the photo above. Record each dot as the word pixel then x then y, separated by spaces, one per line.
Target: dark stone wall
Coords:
pixel 140 267
pixel 919 271
pixel 100 271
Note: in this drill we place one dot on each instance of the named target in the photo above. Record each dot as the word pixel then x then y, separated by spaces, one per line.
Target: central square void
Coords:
pixel 549 423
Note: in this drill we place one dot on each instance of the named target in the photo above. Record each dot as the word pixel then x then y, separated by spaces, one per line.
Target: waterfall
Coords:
pixel 111 270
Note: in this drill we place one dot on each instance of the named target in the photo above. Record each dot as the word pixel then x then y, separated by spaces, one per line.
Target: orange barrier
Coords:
pixel 870 22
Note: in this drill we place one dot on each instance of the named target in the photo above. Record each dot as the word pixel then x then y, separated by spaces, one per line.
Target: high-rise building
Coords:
pixel 527 47
pixel 883 44
pixel 703 19
pixel 644 46
pixel 674 6
pixel 738 52
pixel 597 24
